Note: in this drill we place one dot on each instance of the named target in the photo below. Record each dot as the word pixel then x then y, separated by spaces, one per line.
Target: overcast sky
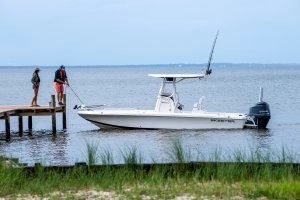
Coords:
pixel 117 32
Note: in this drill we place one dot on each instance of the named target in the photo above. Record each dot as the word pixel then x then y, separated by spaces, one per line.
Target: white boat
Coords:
pixel 169 113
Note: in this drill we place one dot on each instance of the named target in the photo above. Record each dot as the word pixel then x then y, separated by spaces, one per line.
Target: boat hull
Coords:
pixel 147 119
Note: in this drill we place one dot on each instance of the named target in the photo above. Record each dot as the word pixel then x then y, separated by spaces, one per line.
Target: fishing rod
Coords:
pixel 75 94
pixel 82 104
pixel 208 70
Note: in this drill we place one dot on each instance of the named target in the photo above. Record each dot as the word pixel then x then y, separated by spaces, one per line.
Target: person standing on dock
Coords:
pixel 35 80
pixel 60 79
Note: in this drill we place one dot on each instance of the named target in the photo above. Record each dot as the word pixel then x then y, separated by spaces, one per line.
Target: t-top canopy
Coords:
pixel 184 76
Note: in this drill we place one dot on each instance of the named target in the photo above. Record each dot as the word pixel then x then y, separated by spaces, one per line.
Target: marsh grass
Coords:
pixel 246 175
pixel 92 153
pixel 178 153
pixel 106 156
pixel 287 155
pixel 131 155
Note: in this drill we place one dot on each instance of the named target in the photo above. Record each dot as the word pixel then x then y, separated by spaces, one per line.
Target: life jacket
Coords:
pixel 35 78
pixel 61 75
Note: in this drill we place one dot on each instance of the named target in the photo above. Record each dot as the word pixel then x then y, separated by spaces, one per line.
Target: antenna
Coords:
pixel 208 70
pixel 261 94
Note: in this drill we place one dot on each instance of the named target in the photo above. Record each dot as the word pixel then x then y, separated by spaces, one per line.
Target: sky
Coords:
pixel 133 32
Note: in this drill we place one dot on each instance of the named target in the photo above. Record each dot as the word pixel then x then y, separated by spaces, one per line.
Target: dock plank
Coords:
pixel 24 110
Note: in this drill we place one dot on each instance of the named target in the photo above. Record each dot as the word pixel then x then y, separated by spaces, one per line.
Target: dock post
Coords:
pixel 53 114
pixel 20 126
pixel 53 103
pixel 54 122
pixel 30 123
pixel 7 126
pixel 64 114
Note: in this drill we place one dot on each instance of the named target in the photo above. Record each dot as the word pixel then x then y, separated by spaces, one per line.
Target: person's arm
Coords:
pixel 59 81
pixel 66 79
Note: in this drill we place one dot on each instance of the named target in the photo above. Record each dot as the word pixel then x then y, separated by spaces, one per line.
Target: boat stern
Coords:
pixel 259 115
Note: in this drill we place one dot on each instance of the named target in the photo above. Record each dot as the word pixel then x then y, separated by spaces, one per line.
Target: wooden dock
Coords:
pixel 20 111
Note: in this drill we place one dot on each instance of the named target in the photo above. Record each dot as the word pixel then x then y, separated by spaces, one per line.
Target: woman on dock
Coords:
pixel 35 80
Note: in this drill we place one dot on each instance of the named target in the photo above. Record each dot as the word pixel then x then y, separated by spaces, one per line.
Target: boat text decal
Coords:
pixel 223 120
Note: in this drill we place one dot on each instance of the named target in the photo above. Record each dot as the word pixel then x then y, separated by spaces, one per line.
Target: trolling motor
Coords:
pixel 259 115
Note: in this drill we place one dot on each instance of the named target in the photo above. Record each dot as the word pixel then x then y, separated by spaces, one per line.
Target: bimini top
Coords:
pixel 183 76
pixel 176 77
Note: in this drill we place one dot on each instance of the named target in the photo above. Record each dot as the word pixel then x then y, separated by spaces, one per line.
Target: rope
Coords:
pixel 76 94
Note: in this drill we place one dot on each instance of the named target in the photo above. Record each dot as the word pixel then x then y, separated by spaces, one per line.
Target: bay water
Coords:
pixel 230 88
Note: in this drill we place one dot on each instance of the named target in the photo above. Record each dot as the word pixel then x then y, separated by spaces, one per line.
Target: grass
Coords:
pixel 106 156
pixel 131 155
pixel 92 149
pixel 179 153
pixel 242 176
pixel 161 182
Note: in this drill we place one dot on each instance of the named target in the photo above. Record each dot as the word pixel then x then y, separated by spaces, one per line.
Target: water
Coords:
pixel 230 88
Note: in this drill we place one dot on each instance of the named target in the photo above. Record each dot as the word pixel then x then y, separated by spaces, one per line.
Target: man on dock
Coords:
pixel 60 79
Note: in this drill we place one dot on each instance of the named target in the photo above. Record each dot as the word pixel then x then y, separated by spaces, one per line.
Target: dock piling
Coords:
pixel 30 124
pixel 20 120
pixel 7 126
pixel 54 122
pixel 53 103
pixel 64 114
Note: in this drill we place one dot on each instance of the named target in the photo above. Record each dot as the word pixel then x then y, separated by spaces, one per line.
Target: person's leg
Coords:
pixel 34 98
pixel 60 97
pixel 59 91
pixel 61 94
pixel 36 92
pixel 56 87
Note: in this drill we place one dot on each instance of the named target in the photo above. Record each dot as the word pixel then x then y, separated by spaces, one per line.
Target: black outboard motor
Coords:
pixel 259 114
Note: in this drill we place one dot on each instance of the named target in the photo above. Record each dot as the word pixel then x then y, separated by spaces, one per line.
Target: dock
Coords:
pixel 20 111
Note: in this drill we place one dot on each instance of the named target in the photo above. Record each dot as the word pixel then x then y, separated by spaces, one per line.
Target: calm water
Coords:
pixel 228 89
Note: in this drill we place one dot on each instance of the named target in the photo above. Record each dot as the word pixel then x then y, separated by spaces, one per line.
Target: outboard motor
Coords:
pixel 259 114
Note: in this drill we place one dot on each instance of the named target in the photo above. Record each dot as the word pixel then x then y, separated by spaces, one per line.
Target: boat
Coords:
pixel 169 113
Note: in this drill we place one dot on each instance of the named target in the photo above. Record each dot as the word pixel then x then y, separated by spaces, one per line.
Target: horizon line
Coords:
pixel 170 64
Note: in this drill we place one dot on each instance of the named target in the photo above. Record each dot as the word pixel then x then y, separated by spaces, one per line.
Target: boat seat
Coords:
pixel 198 105
pixel 165 94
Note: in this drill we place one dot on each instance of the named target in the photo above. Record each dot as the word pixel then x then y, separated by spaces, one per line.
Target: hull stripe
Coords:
pixel 115 126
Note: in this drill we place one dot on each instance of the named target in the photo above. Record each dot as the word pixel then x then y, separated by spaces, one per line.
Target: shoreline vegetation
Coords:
pixel 238 176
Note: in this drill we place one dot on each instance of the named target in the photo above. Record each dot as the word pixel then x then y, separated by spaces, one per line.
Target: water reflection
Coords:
pixel 38 146
pixel 263 138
